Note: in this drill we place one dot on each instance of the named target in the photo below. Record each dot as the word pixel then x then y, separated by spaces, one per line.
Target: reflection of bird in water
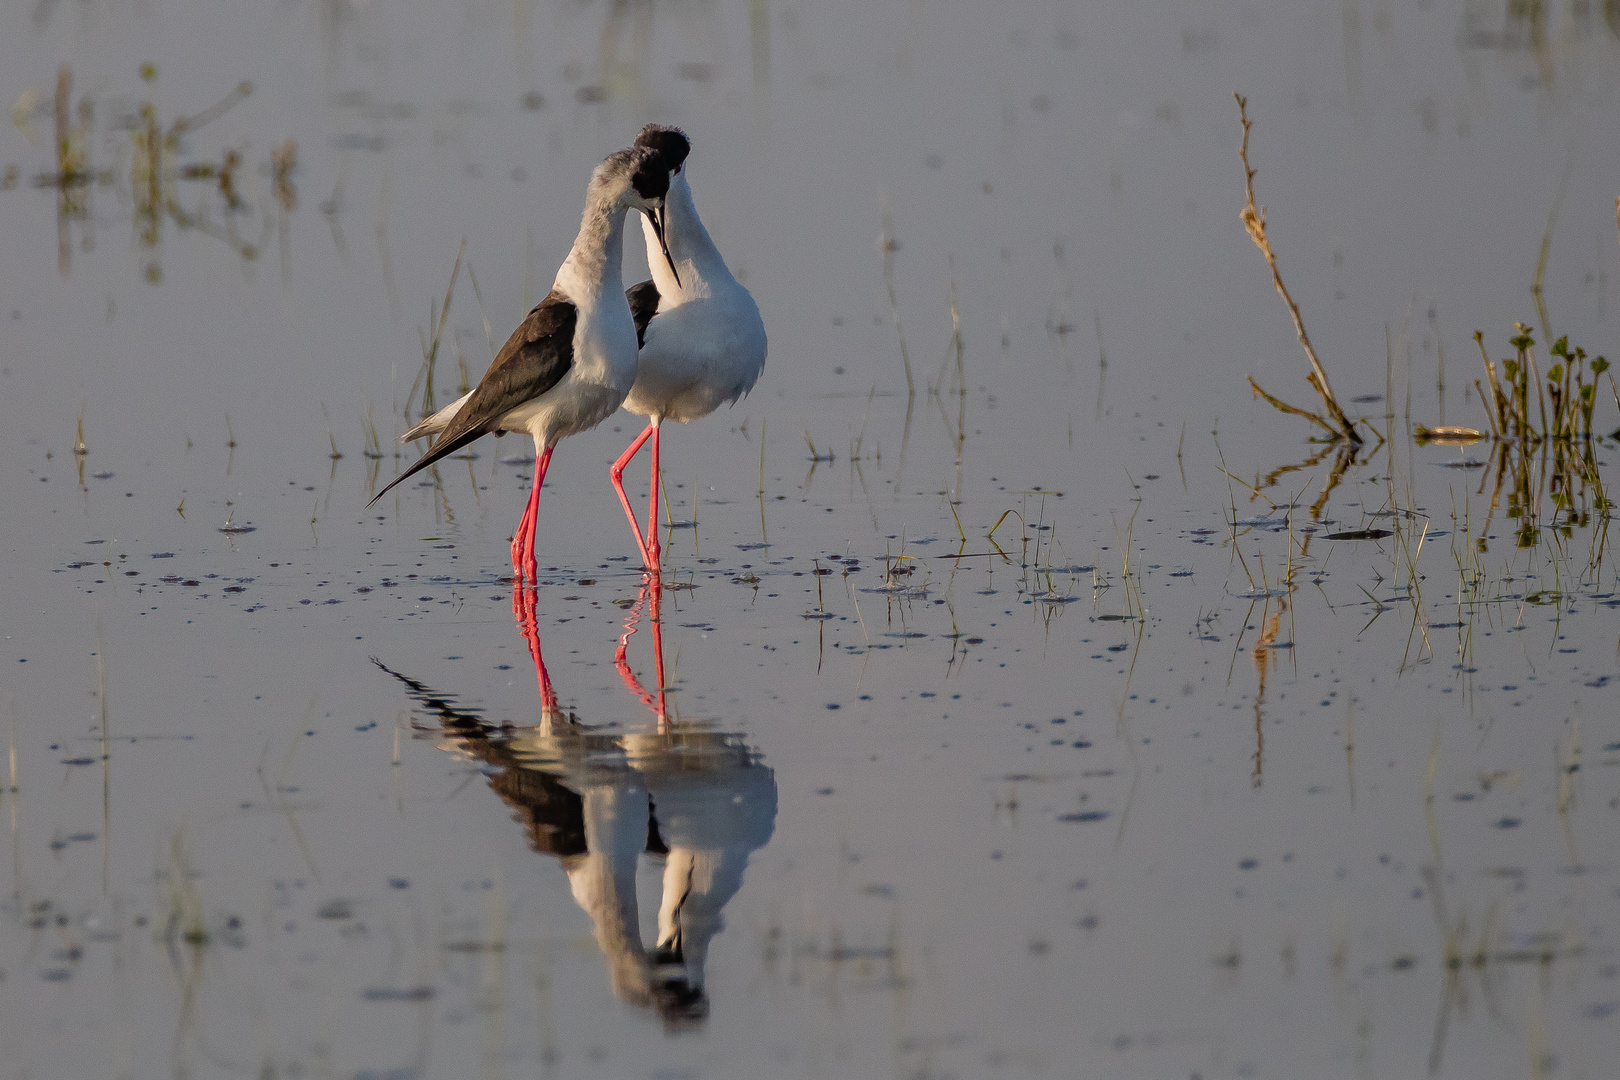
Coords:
pixel 698 799
pixel 570 363
pixel 713 803
pixel 702 340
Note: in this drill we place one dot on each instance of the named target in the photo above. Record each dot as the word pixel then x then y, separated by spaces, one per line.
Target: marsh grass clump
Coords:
pixel 1564 399
pixel 155 169
pixel 437 314
pixel 1543 424
pixel 1545 434
pixel 73 175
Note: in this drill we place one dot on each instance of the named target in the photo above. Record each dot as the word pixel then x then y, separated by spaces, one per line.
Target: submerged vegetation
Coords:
pixel 1543 425
pixel 156 168
pixel 1564 399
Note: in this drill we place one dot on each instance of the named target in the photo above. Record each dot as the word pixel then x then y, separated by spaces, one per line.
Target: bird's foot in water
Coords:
pixel 524 566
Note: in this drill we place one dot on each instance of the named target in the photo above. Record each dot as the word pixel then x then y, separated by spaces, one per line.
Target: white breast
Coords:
pixel 601 372
pixel 705 353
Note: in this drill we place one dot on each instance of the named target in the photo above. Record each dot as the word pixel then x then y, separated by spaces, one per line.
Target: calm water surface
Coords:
pixel 1031 723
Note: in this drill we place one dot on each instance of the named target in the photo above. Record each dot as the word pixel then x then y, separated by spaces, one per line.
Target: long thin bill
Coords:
pixel 657 219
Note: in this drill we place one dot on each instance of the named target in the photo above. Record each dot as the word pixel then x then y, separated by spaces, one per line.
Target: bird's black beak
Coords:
pixel 656 216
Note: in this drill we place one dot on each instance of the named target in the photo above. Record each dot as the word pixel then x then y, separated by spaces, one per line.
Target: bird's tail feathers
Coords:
pixel 440 449
pixel 432 425
pixel 422 430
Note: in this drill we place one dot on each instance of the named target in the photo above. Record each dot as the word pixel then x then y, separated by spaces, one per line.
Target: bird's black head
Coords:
pixel 671 143
pixel 651 178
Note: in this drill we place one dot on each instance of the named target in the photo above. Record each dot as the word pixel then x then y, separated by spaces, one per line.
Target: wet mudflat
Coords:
pixel 1034 701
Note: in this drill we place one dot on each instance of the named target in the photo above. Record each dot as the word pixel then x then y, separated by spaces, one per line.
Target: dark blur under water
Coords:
pixel 1152 780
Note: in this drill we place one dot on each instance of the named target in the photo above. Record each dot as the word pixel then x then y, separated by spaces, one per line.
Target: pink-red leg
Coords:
pixel 520 539
pixel 652 503
pixel 523 610
pixel 618 485
pixel 523 562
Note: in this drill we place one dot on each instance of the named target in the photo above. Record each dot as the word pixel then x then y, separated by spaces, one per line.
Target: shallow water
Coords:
pixel 1090 753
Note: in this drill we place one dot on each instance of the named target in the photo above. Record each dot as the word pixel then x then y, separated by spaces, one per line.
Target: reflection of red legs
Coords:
pixel 523 605
pixel 651 588
pixel 657 617
pixel 523 563
pixel 618 485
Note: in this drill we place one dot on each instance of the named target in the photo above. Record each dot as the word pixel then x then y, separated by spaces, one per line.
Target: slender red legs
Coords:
pixel 652 587
pixel 523 610
pixel 648 543
pixel 618 485
pixel 523 563
pixel 652 508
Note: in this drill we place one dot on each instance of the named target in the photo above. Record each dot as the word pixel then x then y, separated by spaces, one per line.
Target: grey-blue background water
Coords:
pixel 1175 786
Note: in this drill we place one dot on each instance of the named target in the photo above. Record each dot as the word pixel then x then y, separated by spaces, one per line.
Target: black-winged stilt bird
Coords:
pixel 571 362
pixel 702 340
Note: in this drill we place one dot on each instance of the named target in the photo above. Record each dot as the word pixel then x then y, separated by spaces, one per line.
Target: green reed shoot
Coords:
pixel 373 444
pixel 1564 401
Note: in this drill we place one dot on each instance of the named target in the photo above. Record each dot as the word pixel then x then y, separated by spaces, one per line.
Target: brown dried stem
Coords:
pixel 1254 220
pixel 1293 410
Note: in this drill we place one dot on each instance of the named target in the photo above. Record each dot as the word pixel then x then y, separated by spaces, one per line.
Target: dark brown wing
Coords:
pixel 643 306
pixel 533 360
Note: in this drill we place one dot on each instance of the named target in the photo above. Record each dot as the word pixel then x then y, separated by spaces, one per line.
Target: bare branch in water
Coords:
pixel 1254 220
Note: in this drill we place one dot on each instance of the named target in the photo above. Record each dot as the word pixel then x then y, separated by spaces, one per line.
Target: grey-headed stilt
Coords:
pixel 572 361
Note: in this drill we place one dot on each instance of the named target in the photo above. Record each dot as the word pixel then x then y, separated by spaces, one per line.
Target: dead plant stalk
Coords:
pixel 1254 220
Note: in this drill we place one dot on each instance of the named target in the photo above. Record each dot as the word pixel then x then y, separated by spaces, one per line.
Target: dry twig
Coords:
pixel 1254 220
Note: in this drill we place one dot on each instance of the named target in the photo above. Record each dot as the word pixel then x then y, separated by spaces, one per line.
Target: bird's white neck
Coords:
pixel 698 260
pixel 594 264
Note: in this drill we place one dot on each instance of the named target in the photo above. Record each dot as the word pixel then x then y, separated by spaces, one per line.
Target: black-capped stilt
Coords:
pixel 702 340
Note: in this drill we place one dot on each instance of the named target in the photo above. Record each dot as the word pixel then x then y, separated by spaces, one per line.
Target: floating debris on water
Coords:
pixel 1457 436
pixel 385 993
